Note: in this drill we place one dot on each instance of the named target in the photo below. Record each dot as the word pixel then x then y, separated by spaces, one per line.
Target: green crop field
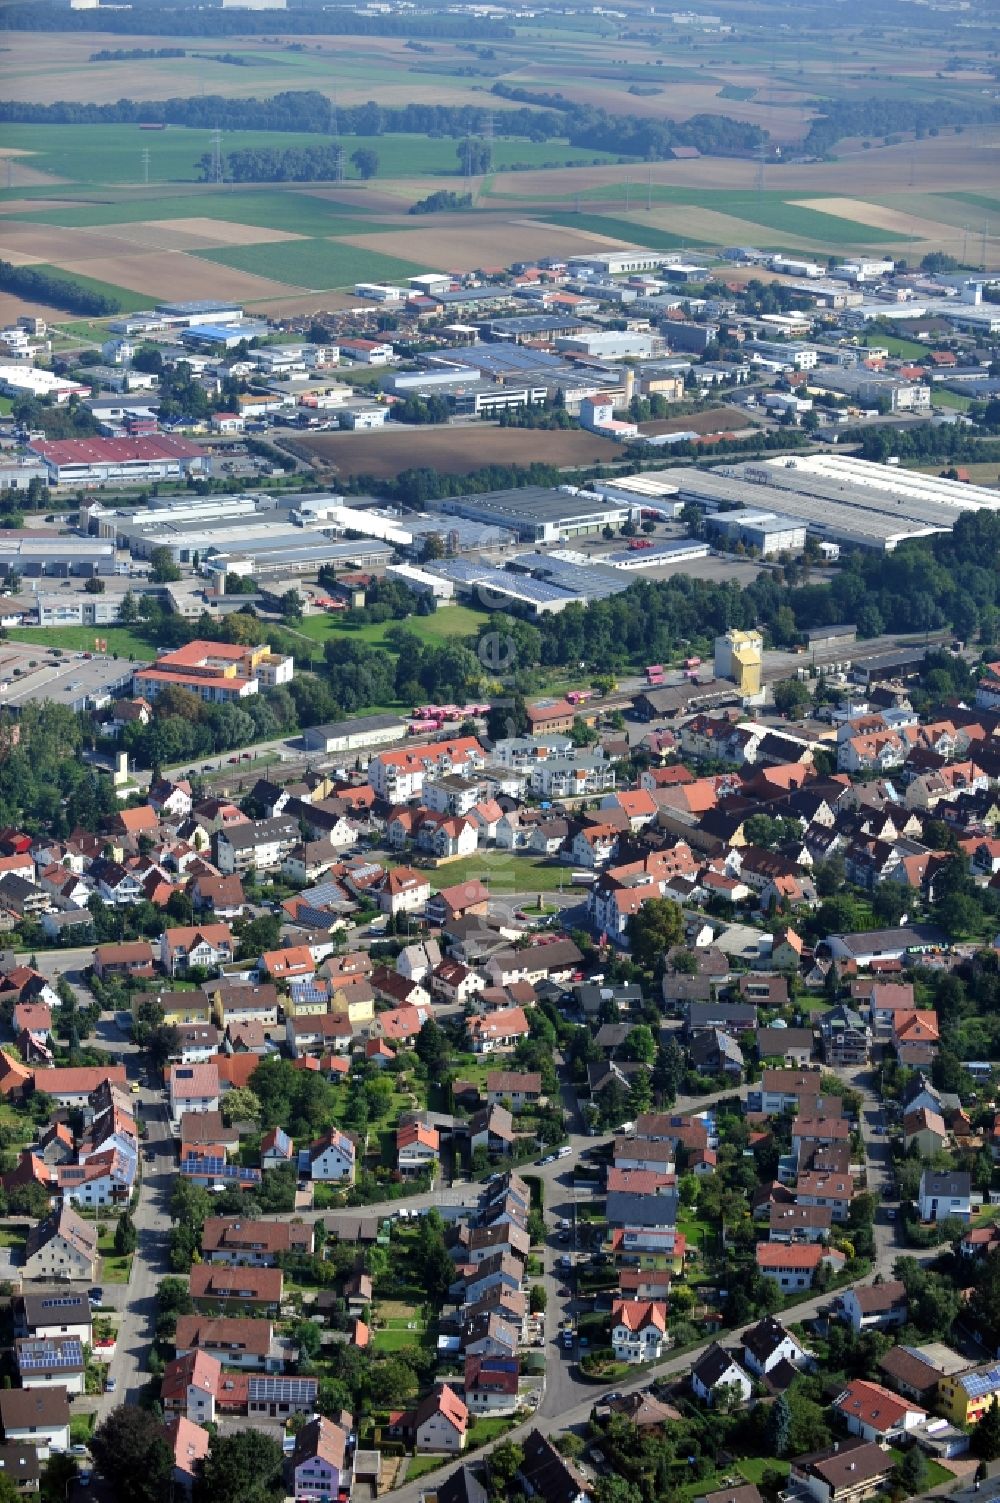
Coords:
pixel 316 264
pixel 619 229
pixel 109 154
pixel 272 208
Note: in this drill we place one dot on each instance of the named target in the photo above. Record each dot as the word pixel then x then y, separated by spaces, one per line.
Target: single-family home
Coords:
pixel 716 1371
pixel 638 1329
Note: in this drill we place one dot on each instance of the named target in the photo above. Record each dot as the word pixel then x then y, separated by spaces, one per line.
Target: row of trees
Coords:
pixel 59 292
pixel 193 20
pixel 293 164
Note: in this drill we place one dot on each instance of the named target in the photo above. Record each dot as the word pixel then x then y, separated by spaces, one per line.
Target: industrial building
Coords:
pixel 873 387
pixel 354 735
pixel 537 584
pixel 654 491
pixel 838 498
pixel 77 609
pixel 55 556
pixel 683 551
pixel 119 461
pixel 539 515
pixel 616 263
pixel 31 675
pixel 765 531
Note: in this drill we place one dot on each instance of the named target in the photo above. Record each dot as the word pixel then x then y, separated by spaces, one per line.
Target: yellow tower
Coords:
pixel 739 655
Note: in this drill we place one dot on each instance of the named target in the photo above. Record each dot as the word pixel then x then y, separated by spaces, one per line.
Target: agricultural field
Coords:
pixel 455 450
pixel 277 247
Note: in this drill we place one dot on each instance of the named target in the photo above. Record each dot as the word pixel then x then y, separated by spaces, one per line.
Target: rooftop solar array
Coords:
pixel 36 1355
pixel 220 1169
pixel 271 1390
pixel 978 1384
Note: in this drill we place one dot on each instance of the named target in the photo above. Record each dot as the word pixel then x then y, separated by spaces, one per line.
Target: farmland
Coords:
pixel 455 450
pixel 278 246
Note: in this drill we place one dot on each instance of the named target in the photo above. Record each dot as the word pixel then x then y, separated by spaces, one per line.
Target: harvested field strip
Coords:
pixel 465 242
pixel 880 216
pixel 456 451
pixel 172 274
pixel 317 264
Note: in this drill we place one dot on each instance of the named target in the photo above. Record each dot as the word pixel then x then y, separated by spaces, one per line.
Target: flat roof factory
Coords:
pixel 840 498
pixel 538 514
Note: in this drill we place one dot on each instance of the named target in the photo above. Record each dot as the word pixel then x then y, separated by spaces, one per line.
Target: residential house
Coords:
pixel 547 1475
pixel 418 1148
pixel 440 1422
pixel 207 947
pixel 318 1468
pixel 792 1266
pixel 50 1361
pixel 498 1032
pixel 874 1413
pixel 944 1196
pixel 965 1396
pixel 717 1371
pixel 850 1471
pixel 193 1088
pixel 261 845
pixel 491 1385
pixel 189 1445
pixel 226 1290
pixel 63 1247
pixel 135 958
pixel 521 1088
pixel 190 1386
pixel 767 1347
pixel 879 1306
pixel 37 1417
pixel 638 1329
pixel 331 1157
pixel 241 1342
pixel 254 1244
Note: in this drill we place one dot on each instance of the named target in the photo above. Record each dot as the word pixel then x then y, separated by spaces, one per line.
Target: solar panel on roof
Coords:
pixel 274 1390
pixel 32 1356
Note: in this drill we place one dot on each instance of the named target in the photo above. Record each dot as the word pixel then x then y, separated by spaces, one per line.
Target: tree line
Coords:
pixel 134 54
pixel 879 117
pixel 307 110
pixel 58 292
pixel 154 19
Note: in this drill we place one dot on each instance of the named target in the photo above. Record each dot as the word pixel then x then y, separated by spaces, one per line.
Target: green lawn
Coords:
pixel 81 639
pixel 13 1235
pixel 903 349
pixel 394 1339
pixel 419 1466
pixel 81 1427
pixel 482 1430
pixel 114 1270
pixel 753 1467
pixel 942 398
pixel 521 876
pixel 448 621
pixel 317 264
pixel 6 406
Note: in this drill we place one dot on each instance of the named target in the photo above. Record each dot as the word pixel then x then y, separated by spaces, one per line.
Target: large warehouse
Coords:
pixel 766 531
pixel 839 498
pixel 540 515
pixel 119 461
